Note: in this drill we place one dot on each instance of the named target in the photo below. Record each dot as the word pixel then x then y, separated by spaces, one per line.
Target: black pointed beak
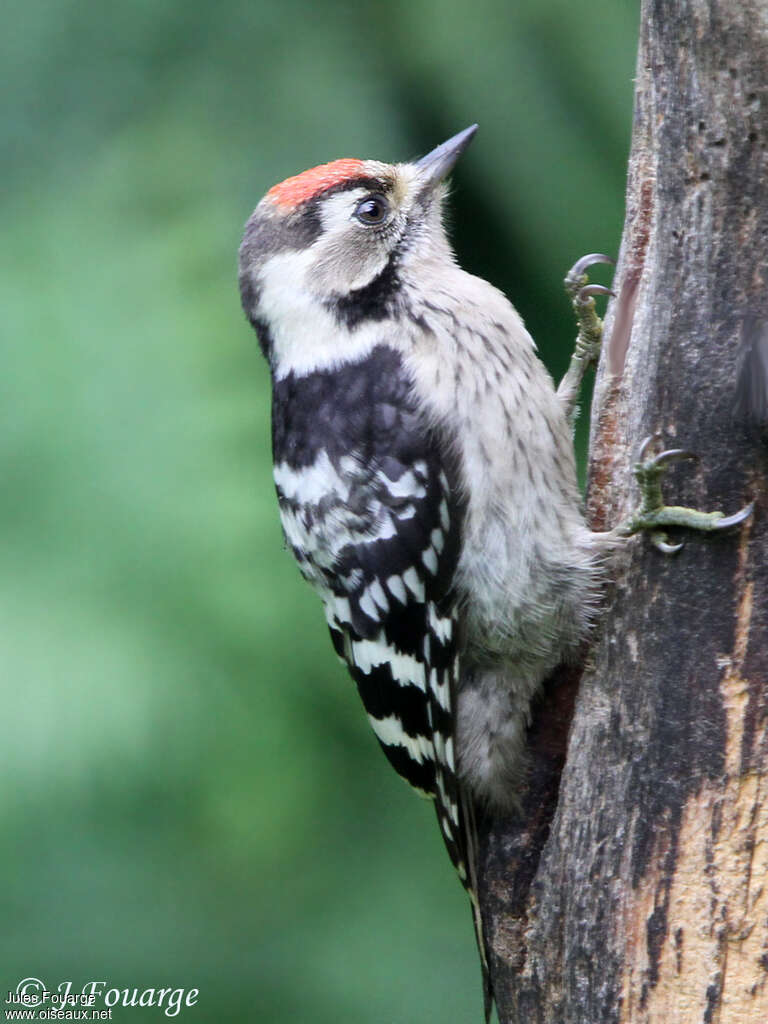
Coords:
pixel 437 165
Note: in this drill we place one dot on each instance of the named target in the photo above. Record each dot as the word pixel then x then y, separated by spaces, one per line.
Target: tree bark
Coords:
pixel 634 885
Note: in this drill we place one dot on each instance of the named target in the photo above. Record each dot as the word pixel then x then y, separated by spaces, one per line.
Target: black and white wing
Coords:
pixel 393 620
pixel 370 508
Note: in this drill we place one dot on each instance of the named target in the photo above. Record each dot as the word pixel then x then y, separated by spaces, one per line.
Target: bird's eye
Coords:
pixel 372 210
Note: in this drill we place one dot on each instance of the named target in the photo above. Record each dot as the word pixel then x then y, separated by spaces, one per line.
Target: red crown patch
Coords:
pixel 304 186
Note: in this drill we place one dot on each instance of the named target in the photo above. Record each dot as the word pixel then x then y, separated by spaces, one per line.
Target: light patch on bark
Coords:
pixel 716 939
pixel 711 964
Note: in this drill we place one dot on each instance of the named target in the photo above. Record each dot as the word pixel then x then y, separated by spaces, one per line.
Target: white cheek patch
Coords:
pixel 305 334
pixel 347 255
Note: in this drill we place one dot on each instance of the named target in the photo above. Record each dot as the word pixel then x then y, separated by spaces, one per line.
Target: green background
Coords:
pixel 191 795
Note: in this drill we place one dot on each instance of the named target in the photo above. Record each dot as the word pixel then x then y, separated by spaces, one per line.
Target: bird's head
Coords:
pixel 341 240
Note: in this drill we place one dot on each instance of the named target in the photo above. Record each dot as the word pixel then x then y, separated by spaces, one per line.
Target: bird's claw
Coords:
pixel 590 290
pixel 659 540
pixel 574 279
pixel 586 351
pixel 654 516
pixel 645 444
pixel 663 459
pixel 726 522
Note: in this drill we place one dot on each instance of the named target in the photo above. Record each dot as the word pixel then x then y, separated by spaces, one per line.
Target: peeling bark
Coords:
pixel 634 887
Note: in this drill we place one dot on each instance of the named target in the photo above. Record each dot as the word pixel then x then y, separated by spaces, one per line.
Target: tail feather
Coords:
pixel 453 805
pixel 463 852
pixel 471 853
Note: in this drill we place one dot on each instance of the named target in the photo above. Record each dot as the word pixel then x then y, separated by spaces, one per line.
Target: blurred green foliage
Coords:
pixel 191 795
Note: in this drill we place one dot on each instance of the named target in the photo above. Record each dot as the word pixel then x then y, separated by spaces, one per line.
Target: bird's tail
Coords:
pixel 464 856
pixel 469 823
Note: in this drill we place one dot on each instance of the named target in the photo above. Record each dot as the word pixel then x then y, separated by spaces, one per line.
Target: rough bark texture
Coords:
pixel 634 887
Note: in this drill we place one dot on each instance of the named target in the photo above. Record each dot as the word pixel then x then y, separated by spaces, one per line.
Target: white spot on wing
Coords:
pixel 445 516
pixel 449 805
pixel 377 593
pixel 437 537
pixel 310 483
pixel 406 487
pixel 384 529
pixel 396 587
pixel 441 626
pixel 390 731
pixel 367 605
pixel 441 690
pixel 429 558
pixel 337 609
pixel 368 654
pixel 350 464
pixel 414 584
pixel 449 753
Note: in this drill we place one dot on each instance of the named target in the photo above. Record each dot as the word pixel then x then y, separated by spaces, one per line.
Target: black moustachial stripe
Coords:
pixel 374 301
pixel 369 502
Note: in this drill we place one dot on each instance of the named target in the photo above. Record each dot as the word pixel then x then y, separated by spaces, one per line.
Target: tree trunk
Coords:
pixel 634 887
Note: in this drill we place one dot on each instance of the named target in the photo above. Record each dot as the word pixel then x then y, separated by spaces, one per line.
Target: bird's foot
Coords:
pixel 582 295
pixel 654 517
pixel 589 339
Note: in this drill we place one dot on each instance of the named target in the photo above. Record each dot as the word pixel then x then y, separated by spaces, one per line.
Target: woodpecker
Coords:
pixel 424 470
pixel 425 474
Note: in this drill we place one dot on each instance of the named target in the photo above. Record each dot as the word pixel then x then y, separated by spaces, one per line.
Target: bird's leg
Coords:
pixel 586 351
pixel 654 516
